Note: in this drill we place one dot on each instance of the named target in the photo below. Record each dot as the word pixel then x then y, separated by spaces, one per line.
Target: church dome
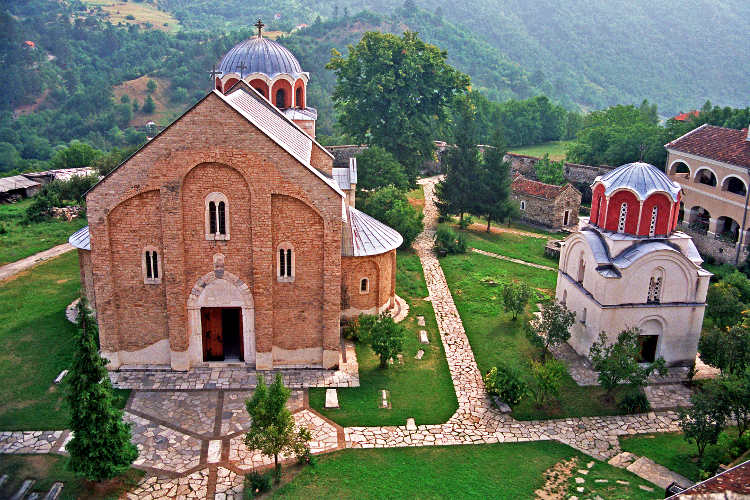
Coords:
pixel 260 55
pixel 641 178
pixel 635 199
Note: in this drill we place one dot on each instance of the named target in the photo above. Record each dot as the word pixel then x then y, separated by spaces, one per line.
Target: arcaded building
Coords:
pixel 230 237
pixel 631 268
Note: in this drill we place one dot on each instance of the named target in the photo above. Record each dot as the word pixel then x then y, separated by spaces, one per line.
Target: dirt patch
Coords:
pixel 138 89
pixel 62 281
pixel 556 480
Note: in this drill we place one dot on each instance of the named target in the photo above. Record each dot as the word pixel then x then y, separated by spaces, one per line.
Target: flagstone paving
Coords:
pixel 189 426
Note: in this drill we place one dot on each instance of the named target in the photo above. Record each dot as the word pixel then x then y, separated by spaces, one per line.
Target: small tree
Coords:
pixel 148 105
pixel 734 391
pixel 272 429
pixel 151 86
pixel 619 362
pixel 506 383
pixel 727 349
pixel 378 168
pixel 547 379
pixel 553 326
pixel 723 305
pixel 385 336
pixel 550 172
pixel 515 297
pixel 101 447
pixel 703 422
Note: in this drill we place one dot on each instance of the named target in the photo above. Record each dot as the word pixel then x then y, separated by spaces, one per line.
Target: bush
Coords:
pixel 467 221
pixel 506 383
pixel 257 484
pixel 447 241
pixel 385 336
pixel 547 378
pixel 390 206
pixel 351 328
pixel 634 401
pixel 515 297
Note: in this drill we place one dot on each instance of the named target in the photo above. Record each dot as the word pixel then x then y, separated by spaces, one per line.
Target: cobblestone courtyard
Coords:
pixel 189 429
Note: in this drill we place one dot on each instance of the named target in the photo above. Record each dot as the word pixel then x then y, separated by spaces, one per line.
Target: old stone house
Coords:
pixel 631 268
pixel 711 164
pixel 231 237
pixel 548 205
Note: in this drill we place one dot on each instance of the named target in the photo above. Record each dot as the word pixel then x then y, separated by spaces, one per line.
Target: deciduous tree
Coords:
pixel 384 336
pixel 553 325
pixel 516 295
pixel 703 422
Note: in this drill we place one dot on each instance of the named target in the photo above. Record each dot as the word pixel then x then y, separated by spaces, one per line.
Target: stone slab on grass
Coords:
pixel 332 398
pixel 61 376
pixel 410 425
pixel 657 474
pixel 420 321
pixel 385 399
pixel 423 337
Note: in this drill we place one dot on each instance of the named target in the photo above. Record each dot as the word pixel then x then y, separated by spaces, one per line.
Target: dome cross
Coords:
pixel 242 67
pixel 260 26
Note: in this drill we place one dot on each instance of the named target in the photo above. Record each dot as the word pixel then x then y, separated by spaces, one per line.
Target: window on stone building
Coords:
pixel 285 268
pixel 581 270
pixel 583 316
pixel 523 205
pixel 280 98
pixel 151 266
pixel 564 297
pixel 623 218
pixel 364 285
pixel 654 288
pixel 217 217
pixel 652 226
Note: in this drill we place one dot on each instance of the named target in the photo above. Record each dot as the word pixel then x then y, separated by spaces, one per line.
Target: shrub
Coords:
pixel 467 221
pixel 634 401
pixel 447 241
pixel 3 230
pixel 385 336
pixel 390 206
pixel 351 329
pixel 515 297
pixel 547 379
pixel 257 484
pixel 377 168
pixel 506 383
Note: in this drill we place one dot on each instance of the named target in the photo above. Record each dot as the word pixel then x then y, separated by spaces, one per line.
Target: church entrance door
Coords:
pixel 222 333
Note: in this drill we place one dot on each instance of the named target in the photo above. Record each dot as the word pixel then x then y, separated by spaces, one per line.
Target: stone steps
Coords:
pixel 23 491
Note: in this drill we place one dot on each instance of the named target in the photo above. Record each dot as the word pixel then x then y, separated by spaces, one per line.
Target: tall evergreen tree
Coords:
pixel 457 192
pixel 494 189
pixel 101 447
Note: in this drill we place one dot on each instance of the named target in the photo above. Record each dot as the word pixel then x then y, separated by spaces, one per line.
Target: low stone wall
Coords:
pixel 709 245
pixel 575 173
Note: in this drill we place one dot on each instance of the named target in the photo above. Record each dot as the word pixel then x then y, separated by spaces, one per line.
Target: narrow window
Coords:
pixel 364 285
pixel 282 263
pixel 149 272
pixel 222 218
pixel 523 205
pixel 652 227
pixel 212 217
pixel 289 263
pixel 285 270
pixel 583 316
pixel 623 217
pixel 155 264
pixel 654 290
pixel 565 297
pixel 280 98
pixel 298 97
pixel 581 270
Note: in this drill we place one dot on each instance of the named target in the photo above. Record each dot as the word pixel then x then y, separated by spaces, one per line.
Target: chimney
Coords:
pixel 352 180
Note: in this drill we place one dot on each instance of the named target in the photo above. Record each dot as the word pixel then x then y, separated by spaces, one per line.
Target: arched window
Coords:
pixel 581 270
pixel 600 212
pixel 652 226
pixel 217 217
pixel 564 297
pixel 583 316
pixel 280 98
pixel 285 263
pixel 364 285
pixel 151 266
pixel 654 287
pixel 623 218
pixel 298 98
pixel 523 205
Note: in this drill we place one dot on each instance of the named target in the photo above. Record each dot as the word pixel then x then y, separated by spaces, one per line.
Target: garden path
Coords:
pixel 511 259
pixel 10 270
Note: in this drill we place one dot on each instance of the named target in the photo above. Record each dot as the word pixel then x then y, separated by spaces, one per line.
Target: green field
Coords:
pixel 420 389
pixel 512 471
pixel 36 344
pixel 475 282
pixel 510 245
pixel 555 149
pixel 18 240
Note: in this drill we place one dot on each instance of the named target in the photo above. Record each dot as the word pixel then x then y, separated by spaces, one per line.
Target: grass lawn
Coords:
pixel 672 451
pixel 421 389
pixel 48 469
pixel 36 343
pixel 20 241
pixel 512 470
pixel 140 13
pixel 416 198
pixel 510 245
pixel 555 149
pixel 496 339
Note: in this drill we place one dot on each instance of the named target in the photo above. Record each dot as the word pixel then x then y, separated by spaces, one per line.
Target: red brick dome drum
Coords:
pixel 635 199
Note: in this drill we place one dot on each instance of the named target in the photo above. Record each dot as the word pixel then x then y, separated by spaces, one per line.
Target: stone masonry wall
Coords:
pixel 157 191
pixel 549 212
pixel 380 270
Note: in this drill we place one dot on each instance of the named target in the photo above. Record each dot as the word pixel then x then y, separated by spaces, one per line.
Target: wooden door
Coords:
pixel 213 337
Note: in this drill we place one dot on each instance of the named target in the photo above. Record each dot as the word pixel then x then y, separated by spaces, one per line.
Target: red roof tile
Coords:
pixel 683 117
pixel 727 145
pixel 523 185
pixel 736 480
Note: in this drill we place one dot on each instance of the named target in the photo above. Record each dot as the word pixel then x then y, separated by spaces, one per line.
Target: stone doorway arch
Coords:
pixel 225 290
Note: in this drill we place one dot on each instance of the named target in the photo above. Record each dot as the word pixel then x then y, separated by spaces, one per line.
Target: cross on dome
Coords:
pixel 260 26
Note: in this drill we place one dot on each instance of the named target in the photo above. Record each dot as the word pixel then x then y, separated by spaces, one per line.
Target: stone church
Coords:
pixel 230 236
pixel 631 268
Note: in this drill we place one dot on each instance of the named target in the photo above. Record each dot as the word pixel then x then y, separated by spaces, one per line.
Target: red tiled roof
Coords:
pixel 727 145
pixel 736 480
pixel 683 117
pixel 523 185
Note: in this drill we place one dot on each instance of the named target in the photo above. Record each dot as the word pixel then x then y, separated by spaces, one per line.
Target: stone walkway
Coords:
pixel 9 270
pixel 511 259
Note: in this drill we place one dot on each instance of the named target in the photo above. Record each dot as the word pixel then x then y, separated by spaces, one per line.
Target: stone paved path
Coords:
pixel 511 259
pixel 10 270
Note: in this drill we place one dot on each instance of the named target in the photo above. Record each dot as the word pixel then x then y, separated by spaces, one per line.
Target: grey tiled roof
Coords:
pixel 260 55
pixel 15 182
pixel 346 178
pixel 640 178
pixel 81 239
pixel 364 235
pixel 300 113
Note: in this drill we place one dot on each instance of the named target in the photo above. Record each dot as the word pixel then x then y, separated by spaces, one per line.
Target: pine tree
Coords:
pixel 493 193
pixel 101 447
pixel 272 427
